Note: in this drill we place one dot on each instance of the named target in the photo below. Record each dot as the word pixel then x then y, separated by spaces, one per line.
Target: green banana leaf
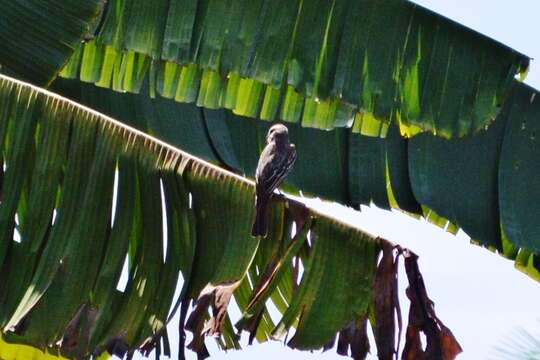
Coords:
pixel 38 37
pixel 452 183
pixel 39 137
pixel 519 192
pixel 485 184
pixel 323 64
pixel 235 142
pixel 82 192
pixel 357 170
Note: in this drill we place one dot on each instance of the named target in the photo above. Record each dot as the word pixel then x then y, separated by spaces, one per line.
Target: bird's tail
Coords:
pixel 260 223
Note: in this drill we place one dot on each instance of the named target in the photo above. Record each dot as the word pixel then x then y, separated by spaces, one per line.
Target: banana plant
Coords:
pixel 81 191
pixel 430 80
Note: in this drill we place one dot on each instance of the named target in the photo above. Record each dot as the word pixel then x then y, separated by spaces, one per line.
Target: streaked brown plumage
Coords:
pixel 275 162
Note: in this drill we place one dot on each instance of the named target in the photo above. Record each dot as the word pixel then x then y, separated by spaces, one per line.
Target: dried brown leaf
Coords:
pixel 387 304
pixel 77 332
pixel 354 338
pixel 218 297
pixel 184 307
pixel 441 343
pixel 299 211
pixel 117 347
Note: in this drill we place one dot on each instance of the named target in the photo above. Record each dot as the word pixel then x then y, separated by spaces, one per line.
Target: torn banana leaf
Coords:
pixel 452 183
pixel 94 193
pixel 323 64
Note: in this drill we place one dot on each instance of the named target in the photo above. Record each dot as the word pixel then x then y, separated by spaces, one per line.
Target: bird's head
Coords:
pixel 277 133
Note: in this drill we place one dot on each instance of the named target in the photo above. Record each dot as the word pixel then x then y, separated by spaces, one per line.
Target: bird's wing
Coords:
pixel 273 169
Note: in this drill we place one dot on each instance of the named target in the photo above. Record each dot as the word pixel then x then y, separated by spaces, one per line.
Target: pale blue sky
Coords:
pixel 479 295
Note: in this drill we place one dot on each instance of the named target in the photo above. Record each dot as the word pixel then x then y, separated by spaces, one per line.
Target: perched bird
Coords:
pixel 275 162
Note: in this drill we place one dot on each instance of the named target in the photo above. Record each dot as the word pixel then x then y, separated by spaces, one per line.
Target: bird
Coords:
pixel 275 162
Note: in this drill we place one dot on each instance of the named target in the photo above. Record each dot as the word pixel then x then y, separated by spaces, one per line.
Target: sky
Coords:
pixel 477 294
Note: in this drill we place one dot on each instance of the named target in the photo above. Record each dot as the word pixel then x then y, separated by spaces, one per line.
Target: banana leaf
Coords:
pixel 171 81
pixel 485 184
pixel 518 188
pixel 106 192
pixel 323 64
pixel 38 37
pixel 235 143
pixel 452 183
